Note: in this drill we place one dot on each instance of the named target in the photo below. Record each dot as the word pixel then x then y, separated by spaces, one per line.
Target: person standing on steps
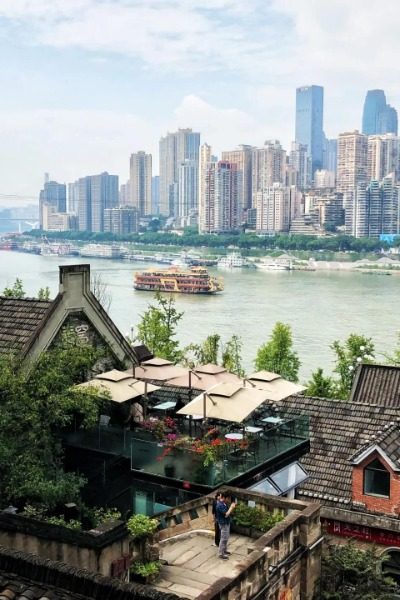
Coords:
pixel 223 513
pixel 217 534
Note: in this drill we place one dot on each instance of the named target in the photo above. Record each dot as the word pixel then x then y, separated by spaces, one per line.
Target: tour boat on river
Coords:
pixel 196 280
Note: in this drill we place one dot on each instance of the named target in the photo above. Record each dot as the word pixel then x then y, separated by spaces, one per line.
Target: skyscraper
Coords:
pixel 309 121
pixel 242 157
pixel 269 167
pixel 104 194
pixel 155 195
pixel 140 173
pixel 299 172
pixel 352 161
pixel 378 116
pixel 175 150
pixel 383 156
pixel 373 210
pixel 329 160
pixel 96 193
pixel 221 210
pixel 276 206
pixel 53 196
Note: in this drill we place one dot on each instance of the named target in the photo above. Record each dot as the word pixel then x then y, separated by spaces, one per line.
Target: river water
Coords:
pixel 320 306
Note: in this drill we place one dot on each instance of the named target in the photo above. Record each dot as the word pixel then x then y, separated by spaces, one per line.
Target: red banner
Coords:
pixel 360 532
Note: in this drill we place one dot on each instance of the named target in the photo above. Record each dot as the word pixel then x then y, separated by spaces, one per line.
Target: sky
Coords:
pixel 84 83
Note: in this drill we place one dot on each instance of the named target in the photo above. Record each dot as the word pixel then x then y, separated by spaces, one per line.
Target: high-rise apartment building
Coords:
pixel 53 196
pixel 299 167
pixel 309 121
pixel 276 206
pixel 121 220
pixel 176 149
pixel 125 194
pixel 140 174
pixel 373 210
pixel 242 157
pixel 269 167
pixel 352 161
pixel 188 183
pixel 383 156
pixel 155 195
pixel 96 193
pixel 378 116
pixel 329 155
pixel 324 179
pixel 104 194
pixel 220 210
pixel 73 197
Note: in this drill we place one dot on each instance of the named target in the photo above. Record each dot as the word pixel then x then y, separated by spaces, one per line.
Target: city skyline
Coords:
pixel 225 69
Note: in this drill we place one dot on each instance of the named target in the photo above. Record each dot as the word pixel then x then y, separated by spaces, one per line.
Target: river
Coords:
pixel 320 306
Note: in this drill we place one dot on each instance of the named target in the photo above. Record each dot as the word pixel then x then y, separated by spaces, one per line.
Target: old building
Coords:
pixel 29 326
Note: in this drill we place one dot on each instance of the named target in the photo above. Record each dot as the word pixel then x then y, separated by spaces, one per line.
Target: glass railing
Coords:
pixel 154 457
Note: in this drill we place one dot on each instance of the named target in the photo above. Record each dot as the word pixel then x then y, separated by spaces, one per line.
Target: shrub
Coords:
pixel 141 525
pixel 247 516
pixel 148 569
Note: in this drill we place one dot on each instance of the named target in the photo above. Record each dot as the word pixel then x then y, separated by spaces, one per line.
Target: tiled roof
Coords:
pixel 338 430
pixel 377 384
pixel 29 577
pixel 19 319
pixel 388 441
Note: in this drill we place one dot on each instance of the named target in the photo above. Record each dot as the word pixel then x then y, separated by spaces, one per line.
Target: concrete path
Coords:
pixel 193 563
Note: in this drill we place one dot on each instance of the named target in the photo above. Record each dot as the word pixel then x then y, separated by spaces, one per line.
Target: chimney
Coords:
pixel 74 283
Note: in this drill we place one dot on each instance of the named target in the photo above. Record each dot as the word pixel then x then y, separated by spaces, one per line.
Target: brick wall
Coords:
pixel 391 505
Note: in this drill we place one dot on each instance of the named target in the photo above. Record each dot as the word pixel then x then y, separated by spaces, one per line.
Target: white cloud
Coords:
pixel 223 128
pixel 68 144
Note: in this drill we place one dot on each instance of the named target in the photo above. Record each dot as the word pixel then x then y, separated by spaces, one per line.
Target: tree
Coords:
pixel 394 359
pixel 157 328
pixel 212 351
pixel 232 356
pixel 277 354
pixel 35 402
pixel 321 386
pixel 16 290
pixel 100 289
pixel 349 573
pixel 44 293
pixel 357 349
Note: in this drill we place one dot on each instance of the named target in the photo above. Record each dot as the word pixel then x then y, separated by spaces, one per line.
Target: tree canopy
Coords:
pixel 36 401
pixel 157 328
pixel 277 355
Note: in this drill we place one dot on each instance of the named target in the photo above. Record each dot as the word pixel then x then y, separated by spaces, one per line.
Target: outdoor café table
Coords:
pixel 273 420
pixel 164 405
pixel 236 437
pixel 251 429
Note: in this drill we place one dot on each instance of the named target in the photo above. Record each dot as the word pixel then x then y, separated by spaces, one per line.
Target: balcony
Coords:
pixel 238 454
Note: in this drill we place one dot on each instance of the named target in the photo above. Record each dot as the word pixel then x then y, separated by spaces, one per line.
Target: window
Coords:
pixel 376 479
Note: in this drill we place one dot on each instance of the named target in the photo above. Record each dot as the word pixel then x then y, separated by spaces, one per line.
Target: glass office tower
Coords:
pixel 309 121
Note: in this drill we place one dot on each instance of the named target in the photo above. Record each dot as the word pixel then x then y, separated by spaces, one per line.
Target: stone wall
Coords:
pixel 93 550
pixel 284 563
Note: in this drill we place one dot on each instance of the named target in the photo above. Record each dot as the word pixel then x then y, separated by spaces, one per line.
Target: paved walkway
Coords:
pixel 193 563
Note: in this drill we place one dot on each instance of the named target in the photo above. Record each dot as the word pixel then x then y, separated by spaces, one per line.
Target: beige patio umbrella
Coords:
pixel 204 377
pixel 120 385
pixel 226 401
pixel 276 386
pixel 157 369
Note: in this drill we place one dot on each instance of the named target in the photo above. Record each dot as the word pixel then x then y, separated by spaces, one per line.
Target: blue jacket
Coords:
pixel 221 510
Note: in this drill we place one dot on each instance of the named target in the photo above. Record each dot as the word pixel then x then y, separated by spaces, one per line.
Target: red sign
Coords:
pixel 360 532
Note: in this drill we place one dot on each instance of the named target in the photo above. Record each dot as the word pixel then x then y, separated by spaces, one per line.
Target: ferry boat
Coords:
pixel 100 251
pixel 195 281
pixel 232 260
pixel 270 265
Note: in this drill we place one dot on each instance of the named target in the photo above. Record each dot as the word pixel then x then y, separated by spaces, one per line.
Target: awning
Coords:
pixel 120 386
pixel 226 401
pixel 282 481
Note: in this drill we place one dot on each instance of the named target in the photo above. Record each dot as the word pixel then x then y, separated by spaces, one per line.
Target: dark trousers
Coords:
pixel 217 533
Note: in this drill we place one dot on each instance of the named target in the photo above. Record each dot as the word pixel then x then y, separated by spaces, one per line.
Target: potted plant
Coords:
pixel 145 572
pixel 242 519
